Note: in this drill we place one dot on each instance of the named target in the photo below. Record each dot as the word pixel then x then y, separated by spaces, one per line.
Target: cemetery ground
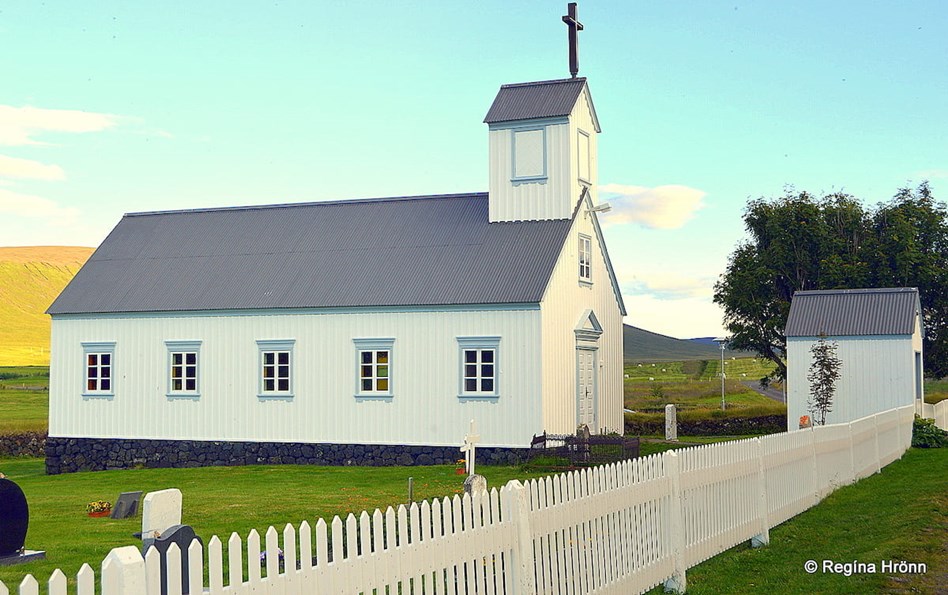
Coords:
pixel 899 514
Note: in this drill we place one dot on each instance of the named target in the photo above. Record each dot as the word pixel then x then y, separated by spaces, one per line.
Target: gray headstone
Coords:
pixel 160 510
pixel 582 432
pixel 475 484
pixel 126 505
pixel 671 423
pixel 182 535
pixel 14 518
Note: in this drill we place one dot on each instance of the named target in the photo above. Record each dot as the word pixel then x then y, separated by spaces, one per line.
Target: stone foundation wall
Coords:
pixel 67 455
pixel 27 444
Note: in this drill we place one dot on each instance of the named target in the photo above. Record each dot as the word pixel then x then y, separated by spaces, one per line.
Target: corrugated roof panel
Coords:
pixel 853 312
pixel 544 99
pixel 420 251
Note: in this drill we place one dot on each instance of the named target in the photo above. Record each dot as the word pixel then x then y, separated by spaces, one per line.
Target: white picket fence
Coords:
pixel 620 528
pixel 937 412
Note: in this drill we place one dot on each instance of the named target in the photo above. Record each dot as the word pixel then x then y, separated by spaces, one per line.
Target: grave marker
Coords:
pixel 14 522
pixel 126 505
pixel 470 445
pixel 671 423
pixel 160 511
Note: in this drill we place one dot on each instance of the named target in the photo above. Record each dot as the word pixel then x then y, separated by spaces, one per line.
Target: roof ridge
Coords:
pixel 549 82
pixel 856 291
pixel 312 204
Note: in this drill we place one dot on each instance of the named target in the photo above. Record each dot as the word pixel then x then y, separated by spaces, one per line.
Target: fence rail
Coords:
pixel 938 412
pixel 618 528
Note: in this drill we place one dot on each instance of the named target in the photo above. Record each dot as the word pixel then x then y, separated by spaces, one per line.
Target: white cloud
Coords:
pixel 26 205
pixel 14 167
pixel 667 285
pixel 18 125
pixel 933 174
pixel 661 207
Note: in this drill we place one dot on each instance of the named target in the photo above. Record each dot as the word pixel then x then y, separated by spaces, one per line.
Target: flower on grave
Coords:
pixel 263 556
pixel 461 463
pixel 99 506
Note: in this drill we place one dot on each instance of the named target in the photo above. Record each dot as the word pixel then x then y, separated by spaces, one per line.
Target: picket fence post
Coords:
pixel 814 468
pixel 677 583
pixel 123 571
pixel 515 502
pixel 762 538
pixel 875 436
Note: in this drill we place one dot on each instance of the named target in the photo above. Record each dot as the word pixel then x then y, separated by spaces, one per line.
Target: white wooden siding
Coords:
pixel 425 409
pixel 877 373
pixel 581 119
pixel 563 305
pixel 547 199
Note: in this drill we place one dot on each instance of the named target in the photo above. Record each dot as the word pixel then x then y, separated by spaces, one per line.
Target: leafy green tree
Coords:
pixel 823 374
pixel 799 241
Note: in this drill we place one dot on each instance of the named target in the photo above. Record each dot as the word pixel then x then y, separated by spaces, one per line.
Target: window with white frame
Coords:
pixel 183 361
pixel 529 154
pixel 276 367
pixel 99 363
pixel 374 367
pixel 479 366
pixel 585 258
pixel 582 155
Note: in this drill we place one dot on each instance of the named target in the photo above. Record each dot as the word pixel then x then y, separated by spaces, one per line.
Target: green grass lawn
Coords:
pixel 24 410
pixel 695 388
pixel 899 514
pixel 217 501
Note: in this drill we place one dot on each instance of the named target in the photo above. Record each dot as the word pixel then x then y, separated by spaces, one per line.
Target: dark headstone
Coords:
pixel 126 505
pixel 182 535
pixel 14 518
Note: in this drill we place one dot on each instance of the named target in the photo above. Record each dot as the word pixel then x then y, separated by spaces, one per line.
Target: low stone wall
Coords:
pixel 734 426
pixel 67 455
pixel 27 444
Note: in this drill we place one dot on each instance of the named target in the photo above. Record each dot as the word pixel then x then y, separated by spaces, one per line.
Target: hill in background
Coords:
pixel 645 346
pixel 30 279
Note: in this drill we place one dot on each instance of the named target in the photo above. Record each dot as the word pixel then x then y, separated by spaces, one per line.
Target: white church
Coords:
pixel 363 332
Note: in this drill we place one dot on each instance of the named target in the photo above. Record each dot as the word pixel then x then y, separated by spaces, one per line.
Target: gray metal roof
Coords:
pixel 851 312
pixel 543 99
pixel 433 250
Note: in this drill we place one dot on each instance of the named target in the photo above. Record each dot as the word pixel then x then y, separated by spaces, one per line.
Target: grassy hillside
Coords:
pixel 645 346
pixel 30 279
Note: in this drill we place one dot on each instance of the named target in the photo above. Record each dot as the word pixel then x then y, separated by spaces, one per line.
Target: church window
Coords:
pixel 99 363
pixel 585 258
pixel 374 367
pixel 529 154
pixel 183 361
pixel 582 152
pixel 276 368
pixel 479 366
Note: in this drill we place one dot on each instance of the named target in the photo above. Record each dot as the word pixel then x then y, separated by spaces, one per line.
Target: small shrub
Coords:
pixel 925 434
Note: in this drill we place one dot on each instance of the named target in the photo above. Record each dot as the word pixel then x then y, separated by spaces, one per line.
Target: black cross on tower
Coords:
pixel 574 26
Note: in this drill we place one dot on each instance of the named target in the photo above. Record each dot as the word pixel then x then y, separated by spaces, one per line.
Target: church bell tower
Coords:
pixel 543 149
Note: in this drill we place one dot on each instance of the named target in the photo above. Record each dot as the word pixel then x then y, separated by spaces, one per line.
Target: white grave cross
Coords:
pixel 470 442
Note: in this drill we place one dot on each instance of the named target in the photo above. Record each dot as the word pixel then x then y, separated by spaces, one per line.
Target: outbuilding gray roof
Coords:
pixel 853 312
pixel 543 99
pixel 431 250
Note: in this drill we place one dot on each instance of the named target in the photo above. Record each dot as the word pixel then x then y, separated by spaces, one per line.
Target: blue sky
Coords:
pixel 114 107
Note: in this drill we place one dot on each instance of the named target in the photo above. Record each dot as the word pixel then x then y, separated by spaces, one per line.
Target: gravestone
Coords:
pixel 475 484
pixel 671 423
pixel 126 505
pixel 160 510
pixel 182 535
pixel 582 443
pixel 14 521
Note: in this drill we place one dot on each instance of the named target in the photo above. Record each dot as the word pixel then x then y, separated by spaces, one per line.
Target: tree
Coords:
pixel 823 374
pixel 799 241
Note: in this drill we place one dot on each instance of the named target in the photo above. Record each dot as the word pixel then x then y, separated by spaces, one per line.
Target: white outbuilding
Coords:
pixel 878 333
pixel 354 332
